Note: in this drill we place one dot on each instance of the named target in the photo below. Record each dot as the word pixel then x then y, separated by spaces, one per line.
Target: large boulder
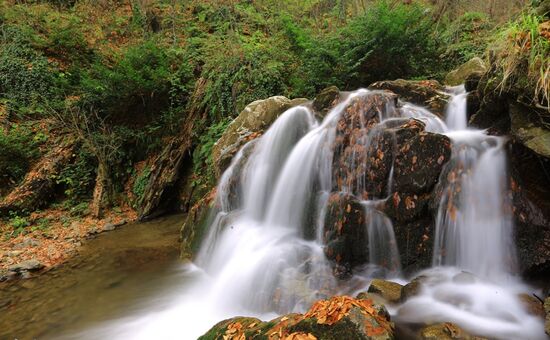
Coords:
pixel 249 124
pixel 459 75
pixel 426 93
pixel 341 317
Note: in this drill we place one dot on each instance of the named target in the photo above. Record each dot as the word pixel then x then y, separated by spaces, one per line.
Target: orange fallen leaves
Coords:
pixel 300 336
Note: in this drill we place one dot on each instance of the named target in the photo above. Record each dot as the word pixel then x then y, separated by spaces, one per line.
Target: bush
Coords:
pixel 466 38
pixel 18 147
pixel 27 80
pixel 387 42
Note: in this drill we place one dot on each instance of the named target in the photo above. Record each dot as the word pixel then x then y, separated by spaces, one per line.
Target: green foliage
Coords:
pixel 139 185
pixel 466 38
pixel 26 76
pixel 80 210
pixel 522 56
pixel 202 156
pixel 18 147
pixel 78 178
pixel 387 42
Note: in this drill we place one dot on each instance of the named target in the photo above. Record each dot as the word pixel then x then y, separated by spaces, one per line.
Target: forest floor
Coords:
pixel 54 244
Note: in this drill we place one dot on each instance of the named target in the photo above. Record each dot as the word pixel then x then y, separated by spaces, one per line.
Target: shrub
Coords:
pixel 387 42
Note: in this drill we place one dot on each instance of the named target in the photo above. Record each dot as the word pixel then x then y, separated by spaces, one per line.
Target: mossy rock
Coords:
pixel 326 100
pixel 390 291
pixel 251 123
pixel 459 76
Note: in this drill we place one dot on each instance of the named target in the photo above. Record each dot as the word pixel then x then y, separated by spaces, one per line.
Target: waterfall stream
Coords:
pixel 264 252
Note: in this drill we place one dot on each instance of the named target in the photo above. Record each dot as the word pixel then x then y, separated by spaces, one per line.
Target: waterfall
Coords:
pixel 265 251
pixel 473 280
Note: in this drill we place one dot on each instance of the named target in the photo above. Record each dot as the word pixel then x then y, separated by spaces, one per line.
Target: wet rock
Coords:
pixel 420 161
pixel 413 288
pixel 426 93
pixel 326 100
pixel 459 76
pixel 530 191
pixel 446 331
pixel 526 127
pixel 109 226
pixel 338 318
pixel 547 311
pixel 361 162
pixel 249 124
pixel 390 291
pixel 29 265
pixel 533 305
pixel 345 232
pixel 415 240
pixel 195 225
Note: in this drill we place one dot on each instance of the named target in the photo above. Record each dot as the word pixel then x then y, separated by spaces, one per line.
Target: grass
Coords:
pixel 524 53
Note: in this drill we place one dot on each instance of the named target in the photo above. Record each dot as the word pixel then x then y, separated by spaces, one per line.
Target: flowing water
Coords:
pixel 263 255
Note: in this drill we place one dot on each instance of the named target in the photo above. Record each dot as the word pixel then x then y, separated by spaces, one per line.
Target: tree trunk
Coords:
pixel 102 191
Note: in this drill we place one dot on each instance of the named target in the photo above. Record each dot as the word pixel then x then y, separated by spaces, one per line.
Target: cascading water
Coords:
pixel 264 253
pixel 477 289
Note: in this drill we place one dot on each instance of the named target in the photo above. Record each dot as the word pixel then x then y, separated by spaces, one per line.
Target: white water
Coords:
pixel 478 288
pixel 261 259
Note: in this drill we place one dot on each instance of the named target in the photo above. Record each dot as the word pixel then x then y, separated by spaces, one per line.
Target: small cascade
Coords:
pixel 457 119
pixel 472 282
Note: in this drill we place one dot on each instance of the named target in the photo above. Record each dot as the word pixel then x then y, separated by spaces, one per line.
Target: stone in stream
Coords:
pixel 341 317
pixel 390 291
pixel 445 331
pixel 29 265
pixel 533 305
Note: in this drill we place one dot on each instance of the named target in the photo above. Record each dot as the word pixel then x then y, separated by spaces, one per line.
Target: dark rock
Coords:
pixel 427 93
pixel 419 162
pixel 472 81
pixel 547 311
pixel 415 241
pixel 390 291
pixel 345 232
pixel 530 190
pixel 325 101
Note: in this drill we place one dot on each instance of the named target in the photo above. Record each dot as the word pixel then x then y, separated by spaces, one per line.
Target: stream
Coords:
pixel 114 274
